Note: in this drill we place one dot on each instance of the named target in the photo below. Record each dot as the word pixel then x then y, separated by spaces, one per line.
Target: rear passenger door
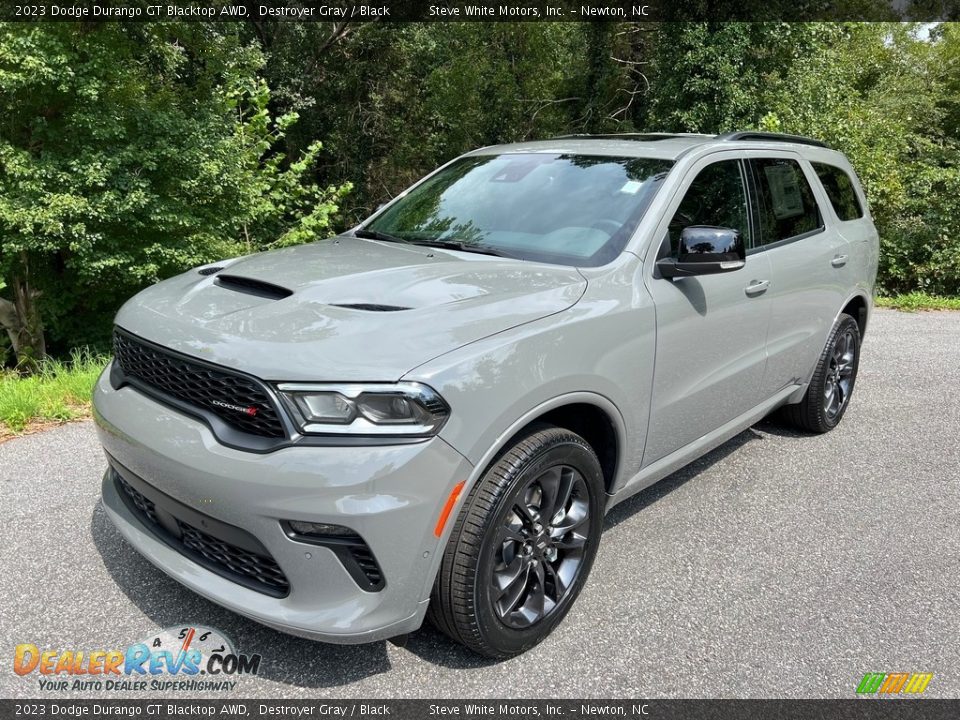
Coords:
pixel 808 263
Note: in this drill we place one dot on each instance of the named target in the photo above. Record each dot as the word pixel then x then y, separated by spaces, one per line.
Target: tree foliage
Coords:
pixel 129 153
pixel 883 96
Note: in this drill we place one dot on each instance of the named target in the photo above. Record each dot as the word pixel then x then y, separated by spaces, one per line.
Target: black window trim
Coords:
pixel 754 193
pixel 861 204
pixel 664 247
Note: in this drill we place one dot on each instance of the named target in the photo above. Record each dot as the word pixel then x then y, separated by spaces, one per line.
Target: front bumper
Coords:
pixel 390 495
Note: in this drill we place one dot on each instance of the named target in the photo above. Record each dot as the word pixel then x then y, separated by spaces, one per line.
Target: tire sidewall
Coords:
pixel 500 637
pixel 844 323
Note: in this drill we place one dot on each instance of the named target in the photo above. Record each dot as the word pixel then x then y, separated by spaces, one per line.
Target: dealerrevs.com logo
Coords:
pixel 189 659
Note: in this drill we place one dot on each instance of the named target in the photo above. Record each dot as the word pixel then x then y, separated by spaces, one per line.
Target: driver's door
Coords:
pixel 711 329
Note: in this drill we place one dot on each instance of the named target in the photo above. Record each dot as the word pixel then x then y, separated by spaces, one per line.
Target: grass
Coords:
pixel 59 392
pixel 919 301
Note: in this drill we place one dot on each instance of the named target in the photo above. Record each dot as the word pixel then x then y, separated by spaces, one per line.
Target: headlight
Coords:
pixel 405 409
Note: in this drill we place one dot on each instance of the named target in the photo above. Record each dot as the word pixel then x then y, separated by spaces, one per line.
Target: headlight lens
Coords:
pixel 403 409
pixel 325 407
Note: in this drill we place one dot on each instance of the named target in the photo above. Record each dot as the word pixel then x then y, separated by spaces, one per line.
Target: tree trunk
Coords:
pixel 21 319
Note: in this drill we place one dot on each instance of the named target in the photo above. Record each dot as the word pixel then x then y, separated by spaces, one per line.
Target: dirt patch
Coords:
pixel 6 434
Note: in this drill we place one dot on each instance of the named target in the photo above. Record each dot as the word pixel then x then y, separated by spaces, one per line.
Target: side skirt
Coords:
pixel 688 453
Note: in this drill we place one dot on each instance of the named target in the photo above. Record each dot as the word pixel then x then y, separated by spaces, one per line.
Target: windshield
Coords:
pixel 563 209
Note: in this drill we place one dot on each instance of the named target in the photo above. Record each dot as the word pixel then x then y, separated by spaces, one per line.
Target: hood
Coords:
pixel 345 309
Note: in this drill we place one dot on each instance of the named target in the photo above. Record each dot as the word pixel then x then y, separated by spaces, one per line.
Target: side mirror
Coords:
pixel 705 250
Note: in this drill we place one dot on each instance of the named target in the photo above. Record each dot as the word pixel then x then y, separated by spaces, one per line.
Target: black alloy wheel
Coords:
pixel 522 545
pixel 540 546
pixel 839 378
pixel 831 386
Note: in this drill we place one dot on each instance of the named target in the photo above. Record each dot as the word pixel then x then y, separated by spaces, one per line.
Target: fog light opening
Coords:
pixel 313 529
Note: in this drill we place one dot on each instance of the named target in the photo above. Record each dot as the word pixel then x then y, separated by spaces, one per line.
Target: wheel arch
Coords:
pixel 560 410
pixel 589 414
pixel 857 307
pixel 589 421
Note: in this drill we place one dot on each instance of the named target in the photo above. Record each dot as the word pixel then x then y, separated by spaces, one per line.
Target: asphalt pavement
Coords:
pixel 779 565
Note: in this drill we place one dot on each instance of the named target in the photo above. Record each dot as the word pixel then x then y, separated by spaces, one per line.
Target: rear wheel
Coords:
pixel 522 546
pixel 831 386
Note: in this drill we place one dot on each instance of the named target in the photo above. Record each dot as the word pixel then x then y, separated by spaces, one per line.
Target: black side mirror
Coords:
pixel 705 250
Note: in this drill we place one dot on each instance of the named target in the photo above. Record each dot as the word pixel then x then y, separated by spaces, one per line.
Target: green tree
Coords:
pixel 129 152
pixel 712 77
pixel 393 101
pixel 884 96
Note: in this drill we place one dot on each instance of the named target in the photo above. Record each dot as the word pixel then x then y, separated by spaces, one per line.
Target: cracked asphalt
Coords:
pixel 779 565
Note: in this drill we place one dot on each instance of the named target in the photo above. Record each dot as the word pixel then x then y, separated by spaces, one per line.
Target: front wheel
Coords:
pixel 831 386
pixel 522 546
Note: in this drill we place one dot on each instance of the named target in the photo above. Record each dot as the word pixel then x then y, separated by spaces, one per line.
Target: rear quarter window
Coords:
pixel 840 190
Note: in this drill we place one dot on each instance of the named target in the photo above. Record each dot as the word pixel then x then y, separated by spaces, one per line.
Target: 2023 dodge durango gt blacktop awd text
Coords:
pixel 428 415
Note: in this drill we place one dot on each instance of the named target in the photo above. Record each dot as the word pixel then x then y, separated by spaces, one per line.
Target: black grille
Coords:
pixel 222 557
pixel 142 503
pixel 363 556
pixel 263 570
pixel 251 409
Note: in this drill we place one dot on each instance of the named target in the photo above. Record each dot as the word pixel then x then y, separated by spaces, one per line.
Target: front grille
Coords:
pixel 259 572
pixel 199 385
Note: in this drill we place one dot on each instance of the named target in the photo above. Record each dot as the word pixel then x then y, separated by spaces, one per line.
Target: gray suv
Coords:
pixel 429 415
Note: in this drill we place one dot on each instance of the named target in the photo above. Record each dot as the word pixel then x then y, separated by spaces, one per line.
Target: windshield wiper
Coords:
pixel 466 247
pixel 368 234
pixel 377 235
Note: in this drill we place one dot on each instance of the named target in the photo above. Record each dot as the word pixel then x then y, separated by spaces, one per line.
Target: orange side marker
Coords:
pixel 448 508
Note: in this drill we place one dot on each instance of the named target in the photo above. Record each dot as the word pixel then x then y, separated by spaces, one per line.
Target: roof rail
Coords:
pixel 772 137
pixel 630 136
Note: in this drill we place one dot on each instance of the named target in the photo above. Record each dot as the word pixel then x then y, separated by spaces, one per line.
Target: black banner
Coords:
pixel 481 11
pixel 854 709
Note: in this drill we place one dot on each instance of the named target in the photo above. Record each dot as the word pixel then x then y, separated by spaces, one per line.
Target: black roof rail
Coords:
pixel 772 137
pixel 630 136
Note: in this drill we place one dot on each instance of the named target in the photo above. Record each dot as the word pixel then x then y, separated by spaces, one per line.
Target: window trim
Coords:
pixel 861 205
pixel 754 191
pixel 786 241
pixel 744 185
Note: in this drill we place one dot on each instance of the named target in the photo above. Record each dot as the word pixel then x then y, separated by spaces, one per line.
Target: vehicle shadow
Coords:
pixel 646 497
pixel 286 659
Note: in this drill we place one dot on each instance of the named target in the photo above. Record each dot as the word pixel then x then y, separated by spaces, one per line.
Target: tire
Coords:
pixel 828 395
pixel 496 537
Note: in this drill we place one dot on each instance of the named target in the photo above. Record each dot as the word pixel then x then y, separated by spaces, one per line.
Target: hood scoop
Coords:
pixel 249 286
pixel 371 307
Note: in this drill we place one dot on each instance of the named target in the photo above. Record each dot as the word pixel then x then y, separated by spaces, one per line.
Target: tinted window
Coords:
pixel 786 203
pixel 840 190
pixel 716 197
pixel 558 208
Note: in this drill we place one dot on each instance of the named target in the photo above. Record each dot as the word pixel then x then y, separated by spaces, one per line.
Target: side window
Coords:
pixel 786 204
pixel 839 188
pixel 715 197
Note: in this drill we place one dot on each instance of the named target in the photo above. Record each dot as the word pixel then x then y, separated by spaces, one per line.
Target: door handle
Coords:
pixel 839 261
pixel 756 288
